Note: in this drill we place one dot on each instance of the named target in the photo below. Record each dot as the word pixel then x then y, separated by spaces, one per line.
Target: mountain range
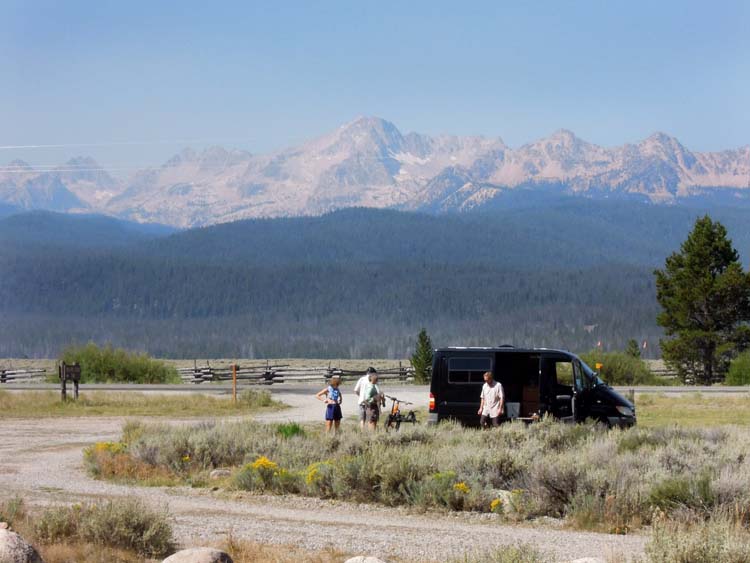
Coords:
pixel 370 163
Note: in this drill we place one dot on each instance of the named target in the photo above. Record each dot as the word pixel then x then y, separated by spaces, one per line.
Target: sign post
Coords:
pixel 69 373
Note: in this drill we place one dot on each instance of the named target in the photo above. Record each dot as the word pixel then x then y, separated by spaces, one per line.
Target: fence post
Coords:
pixel 234 383
pixel 61 373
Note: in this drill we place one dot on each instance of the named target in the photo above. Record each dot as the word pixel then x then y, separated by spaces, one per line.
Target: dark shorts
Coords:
pixel 333 412
pixel 485 421
pixel 363 412
pixel 373 413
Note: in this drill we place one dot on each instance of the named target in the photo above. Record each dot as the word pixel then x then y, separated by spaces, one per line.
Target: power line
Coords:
pixel 122 143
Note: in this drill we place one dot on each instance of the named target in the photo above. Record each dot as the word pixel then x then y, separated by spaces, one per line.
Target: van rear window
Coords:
pixel 468 370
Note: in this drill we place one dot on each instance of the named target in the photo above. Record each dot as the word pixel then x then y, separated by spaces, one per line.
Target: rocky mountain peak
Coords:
pixel 366 134
pixel 184 156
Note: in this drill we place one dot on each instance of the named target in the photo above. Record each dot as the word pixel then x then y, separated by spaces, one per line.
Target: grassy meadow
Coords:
pixel 35 404
pixel 693 410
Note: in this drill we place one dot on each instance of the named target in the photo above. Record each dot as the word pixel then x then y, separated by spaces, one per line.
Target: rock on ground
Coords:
pixel 14 549
pixel 364 559
pixel 199 555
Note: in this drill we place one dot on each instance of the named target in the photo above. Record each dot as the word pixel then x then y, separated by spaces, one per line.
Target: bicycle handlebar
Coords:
pixel 398 400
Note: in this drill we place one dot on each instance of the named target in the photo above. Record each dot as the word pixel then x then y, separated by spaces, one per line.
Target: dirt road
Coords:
pixel 41 461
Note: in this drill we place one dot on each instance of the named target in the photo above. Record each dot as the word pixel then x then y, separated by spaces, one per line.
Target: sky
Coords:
pixel 136 81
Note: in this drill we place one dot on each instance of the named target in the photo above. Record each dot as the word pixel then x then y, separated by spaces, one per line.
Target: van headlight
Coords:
pixel 625 411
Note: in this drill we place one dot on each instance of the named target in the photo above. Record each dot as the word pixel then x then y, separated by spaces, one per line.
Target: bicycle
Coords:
pixel 395 418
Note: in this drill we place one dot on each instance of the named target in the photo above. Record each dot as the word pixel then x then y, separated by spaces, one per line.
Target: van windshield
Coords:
pixel 591 375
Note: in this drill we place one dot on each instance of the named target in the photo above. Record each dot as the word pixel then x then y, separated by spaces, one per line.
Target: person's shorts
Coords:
pixel 363 412
pixel 486 420
pixel 373 413
pixel 333 412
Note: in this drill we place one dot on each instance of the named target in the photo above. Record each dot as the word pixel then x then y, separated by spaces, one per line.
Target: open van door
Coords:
pixel 559 376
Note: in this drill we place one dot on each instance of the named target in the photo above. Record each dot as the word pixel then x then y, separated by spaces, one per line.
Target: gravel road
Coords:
pixel 41 461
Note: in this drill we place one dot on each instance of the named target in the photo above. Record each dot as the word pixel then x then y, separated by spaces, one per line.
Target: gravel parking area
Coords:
pixel 41 461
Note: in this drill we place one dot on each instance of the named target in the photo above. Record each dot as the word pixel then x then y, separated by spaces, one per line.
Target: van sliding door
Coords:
pixel 464 385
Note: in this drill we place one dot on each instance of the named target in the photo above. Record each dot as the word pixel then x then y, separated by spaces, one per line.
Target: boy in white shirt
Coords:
pixel 492 405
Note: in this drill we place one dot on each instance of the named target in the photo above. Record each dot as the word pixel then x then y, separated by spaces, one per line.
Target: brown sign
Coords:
pixel 72 373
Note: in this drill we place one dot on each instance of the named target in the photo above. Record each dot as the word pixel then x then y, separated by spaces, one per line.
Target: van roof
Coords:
pixel 503 348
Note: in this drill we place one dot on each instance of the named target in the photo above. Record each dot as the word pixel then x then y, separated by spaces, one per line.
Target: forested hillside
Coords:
pixel 352 283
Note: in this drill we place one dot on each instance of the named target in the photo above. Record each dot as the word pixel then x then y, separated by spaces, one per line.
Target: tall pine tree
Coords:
pixel 633 349
pixel 705 300
pixel 422 358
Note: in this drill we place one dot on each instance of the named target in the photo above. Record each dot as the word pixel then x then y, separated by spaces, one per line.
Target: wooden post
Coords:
pixel 234 383
pixel 61 373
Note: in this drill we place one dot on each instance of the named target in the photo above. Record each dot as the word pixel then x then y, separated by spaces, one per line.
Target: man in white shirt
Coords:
pixel 492 405
pixel 361 389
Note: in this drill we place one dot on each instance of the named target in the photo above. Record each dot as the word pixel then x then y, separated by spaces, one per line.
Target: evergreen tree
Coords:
pixel 633 349
pixel 705 300
pixel 422 358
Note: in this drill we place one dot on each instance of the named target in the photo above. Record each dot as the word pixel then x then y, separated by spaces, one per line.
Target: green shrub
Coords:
pixel 123 523
pixel 683 491
pixel 739 370
pixel 289 429
pixel 59 523
pixel 620 368
pixel 252 398
pixel 115 365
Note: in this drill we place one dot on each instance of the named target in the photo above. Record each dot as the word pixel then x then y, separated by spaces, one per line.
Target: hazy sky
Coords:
pixel 261 76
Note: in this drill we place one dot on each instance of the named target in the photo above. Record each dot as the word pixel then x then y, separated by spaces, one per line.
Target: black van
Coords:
pixel 536 382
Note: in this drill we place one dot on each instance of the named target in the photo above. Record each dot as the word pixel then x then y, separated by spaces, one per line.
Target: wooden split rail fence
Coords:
pixel 268 374
pixel 9 375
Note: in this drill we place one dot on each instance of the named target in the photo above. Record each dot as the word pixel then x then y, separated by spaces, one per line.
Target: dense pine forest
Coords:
pixel 353 283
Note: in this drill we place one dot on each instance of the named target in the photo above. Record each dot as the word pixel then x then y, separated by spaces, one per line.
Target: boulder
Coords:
pixel 217 474
pixel 14 549
pixel 199 555
pixel 364 559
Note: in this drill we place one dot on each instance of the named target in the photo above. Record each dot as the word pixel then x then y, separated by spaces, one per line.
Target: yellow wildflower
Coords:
pixel 496 505
pixel 264 463
pixel 462 488
pixel 109 447
pixel 314 473
pixel 186 458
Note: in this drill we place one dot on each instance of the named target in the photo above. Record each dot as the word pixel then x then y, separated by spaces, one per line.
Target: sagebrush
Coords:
pixel 596 479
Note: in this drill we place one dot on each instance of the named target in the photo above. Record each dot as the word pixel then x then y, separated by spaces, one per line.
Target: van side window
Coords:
pixel 468 370
pixel 564 372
